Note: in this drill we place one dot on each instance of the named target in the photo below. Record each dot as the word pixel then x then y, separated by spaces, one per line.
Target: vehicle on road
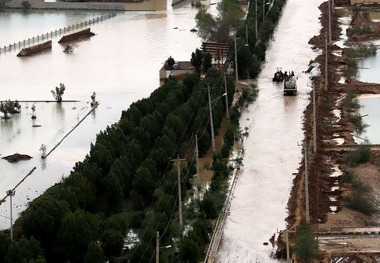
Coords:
pixel 290 84
pixel 278 76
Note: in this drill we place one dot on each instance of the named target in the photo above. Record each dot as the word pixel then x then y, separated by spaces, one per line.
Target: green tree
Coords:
pixel 43 219
pixel 306 247
pixel 112 243
pixel 114 191
pixel 218 29
pixel 58 92
pixel 5 242
pixel 189 250
pixel 169 63
pixel 197 60
pixel 14 254
pixel 94 253
pixel 144 182
pixel 77 231
pixel 31 249
pixel 9 107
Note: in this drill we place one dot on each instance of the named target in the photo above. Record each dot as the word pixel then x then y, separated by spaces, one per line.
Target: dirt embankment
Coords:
pixel 326 190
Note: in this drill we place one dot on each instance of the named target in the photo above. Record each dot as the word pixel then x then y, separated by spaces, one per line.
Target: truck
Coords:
pixel 290 85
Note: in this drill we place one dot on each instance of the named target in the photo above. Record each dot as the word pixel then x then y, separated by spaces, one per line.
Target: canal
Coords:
pixel 272 151
pixel 120 63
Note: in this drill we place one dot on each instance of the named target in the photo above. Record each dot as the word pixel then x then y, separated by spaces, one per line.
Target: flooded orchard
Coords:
pixel 120 63
pixel 272 151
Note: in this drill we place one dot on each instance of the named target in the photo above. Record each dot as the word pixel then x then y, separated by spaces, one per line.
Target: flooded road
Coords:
pixel 272 153
pixel 120 63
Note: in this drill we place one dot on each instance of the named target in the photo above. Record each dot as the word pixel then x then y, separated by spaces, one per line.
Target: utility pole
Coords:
pixel 211 122
pixel 178 160
pixel 287 246
pixel 11 193
pixel 326 66
pixel 236 63
pixel 158 247
pixel 329 28
pixel 225 90
pixel 306 183
pixel 314 123
pixel 197 158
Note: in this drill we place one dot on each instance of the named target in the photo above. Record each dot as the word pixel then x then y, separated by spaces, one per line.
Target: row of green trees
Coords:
pixel 126 181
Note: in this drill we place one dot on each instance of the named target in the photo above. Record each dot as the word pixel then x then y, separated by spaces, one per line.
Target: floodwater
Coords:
pixel 272 151
pixel 370 105
pixel 120 63
pixel 368 68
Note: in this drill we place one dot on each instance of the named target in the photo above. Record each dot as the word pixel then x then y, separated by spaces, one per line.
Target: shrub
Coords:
pixel 362 202
pixel 306 247
pixel 361 155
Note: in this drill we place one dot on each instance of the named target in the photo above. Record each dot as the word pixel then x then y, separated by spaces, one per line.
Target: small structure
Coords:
pixel 34 49
pixel 77 35
pixel 180 69
pixel 218 51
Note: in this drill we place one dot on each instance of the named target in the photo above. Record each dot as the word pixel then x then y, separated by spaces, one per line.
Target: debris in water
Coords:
pixel 17 157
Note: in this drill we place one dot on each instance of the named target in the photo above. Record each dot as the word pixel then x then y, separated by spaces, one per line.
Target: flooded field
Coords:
pixel 272 151
pixel 371 105
pixel 120 63
pixel 368 68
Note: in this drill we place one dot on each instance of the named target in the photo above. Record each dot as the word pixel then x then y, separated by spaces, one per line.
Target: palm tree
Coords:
pixel 58 92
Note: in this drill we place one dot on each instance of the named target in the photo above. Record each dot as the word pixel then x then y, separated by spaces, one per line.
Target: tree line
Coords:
pixel 126 181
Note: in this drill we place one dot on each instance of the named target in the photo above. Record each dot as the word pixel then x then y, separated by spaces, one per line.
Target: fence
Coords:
pixel 35 40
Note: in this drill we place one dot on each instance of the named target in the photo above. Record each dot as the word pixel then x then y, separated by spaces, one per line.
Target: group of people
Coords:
pixel 279 76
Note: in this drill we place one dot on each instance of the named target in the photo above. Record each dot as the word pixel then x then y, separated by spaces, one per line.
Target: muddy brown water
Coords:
pixel 272 153
pixel 120 63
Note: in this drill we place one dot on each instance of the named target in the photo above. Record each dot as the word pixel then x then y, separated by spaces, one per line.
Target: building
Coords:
pixel 181 68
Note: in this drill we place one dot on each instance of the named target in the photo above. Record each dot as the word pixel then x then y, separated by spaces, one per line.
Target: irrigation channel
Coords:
pixel 120 63
pixel 272 152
